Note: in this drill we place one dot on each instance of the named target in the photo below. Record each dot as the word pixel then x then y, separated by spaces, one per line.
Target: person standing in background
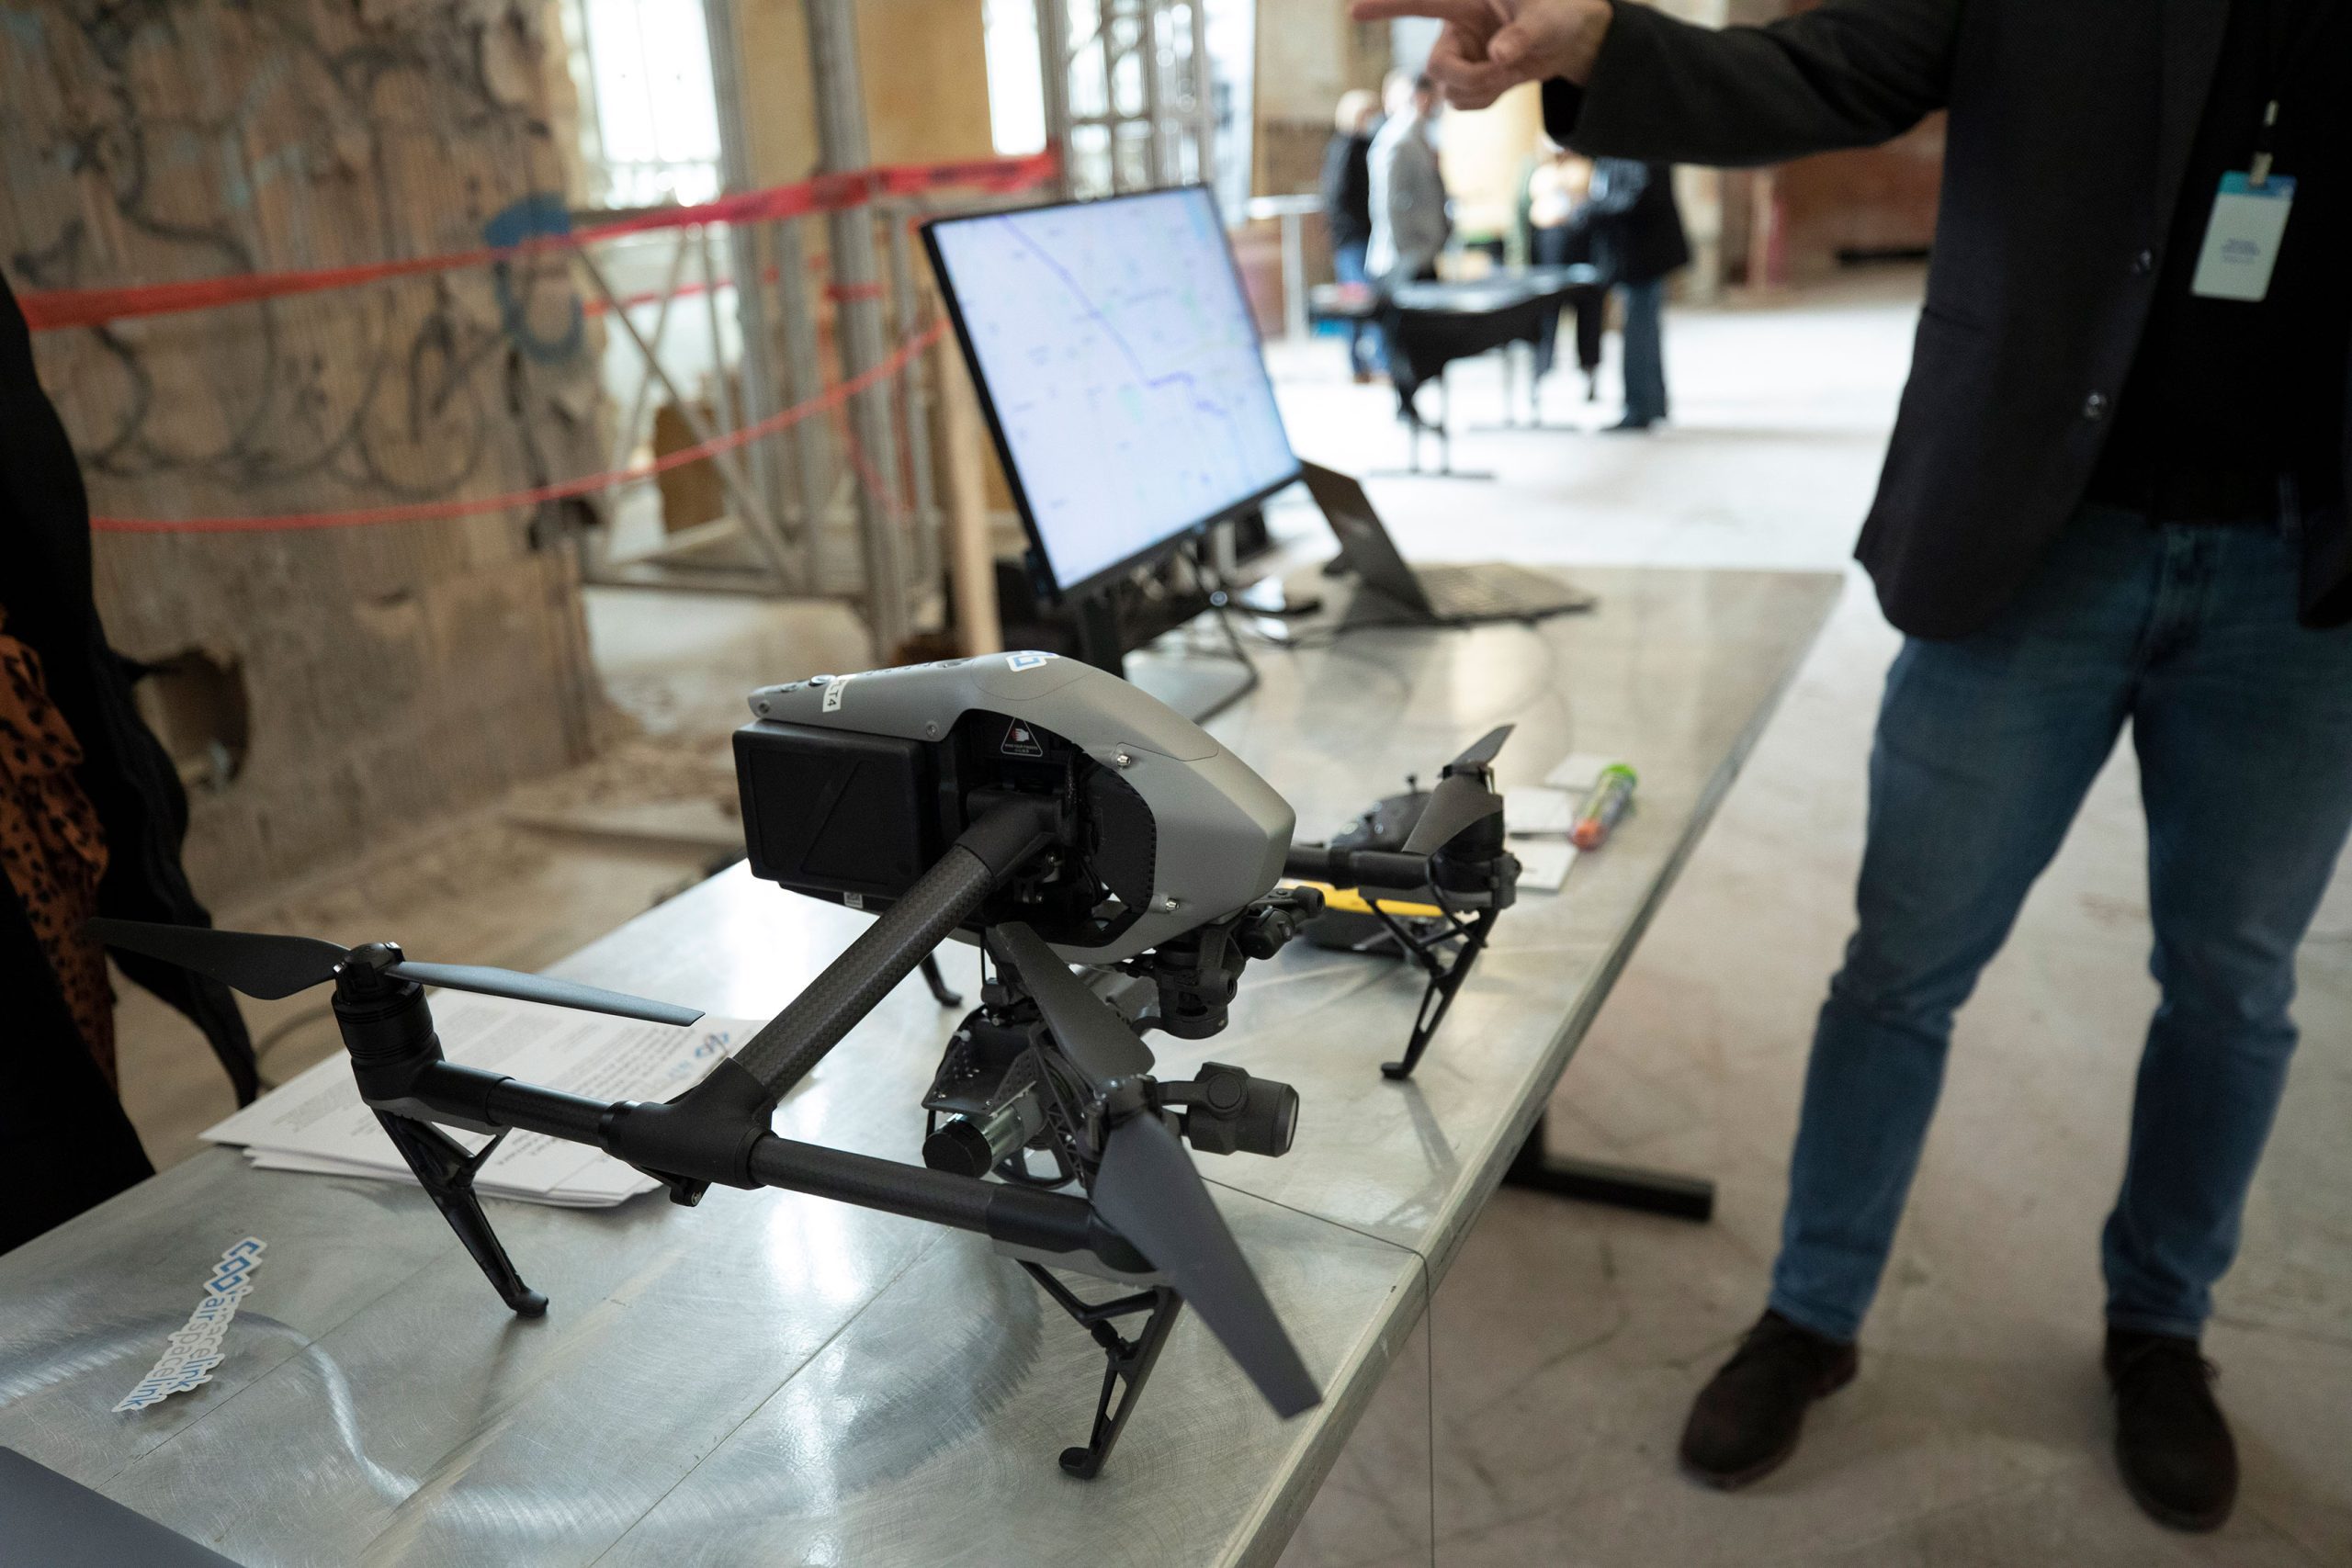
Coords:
pixel 1408 222
pixel 1637 243
pixel 1550 190
pixel 1347 213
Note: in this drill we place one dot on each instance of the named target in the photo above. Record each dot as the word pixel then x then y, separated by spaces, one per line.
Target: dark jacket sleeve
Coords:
pixel 1347 191
pixel 1334 186
pixel 1847 74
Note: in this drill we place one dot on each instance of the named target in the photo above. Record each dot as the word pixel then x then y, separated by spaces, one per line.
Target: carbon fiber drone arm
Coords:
pixel 813 1022
pixel 1343 867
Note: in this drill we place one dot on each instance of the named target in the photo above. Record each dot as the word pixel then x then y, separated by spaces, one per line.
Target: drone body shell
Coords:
pixel 1221 830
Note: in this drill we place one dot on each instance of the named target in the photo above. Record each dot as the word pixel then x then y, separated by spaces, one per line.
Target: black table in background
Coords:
pixel 1426 326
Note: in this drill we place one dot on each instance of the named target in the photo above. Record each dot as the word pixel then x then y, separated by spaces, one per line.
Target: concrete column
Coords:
pixel 857 318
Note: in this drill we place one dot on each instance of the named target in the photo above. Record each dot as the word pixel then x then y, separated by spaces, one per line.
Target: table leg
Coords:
pixel 1444 423
pixel 1294 281
pixel 1409 408
pixel 1618 1186
pixel 1510 421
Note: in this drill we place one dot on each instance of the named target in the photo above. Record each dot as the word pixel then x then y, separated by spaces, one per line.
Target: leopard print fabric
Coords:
pixel 52 847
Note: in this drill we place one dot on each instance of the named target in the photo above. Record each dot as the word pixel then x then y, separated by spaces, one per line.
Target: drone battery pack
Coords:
pixel 830 811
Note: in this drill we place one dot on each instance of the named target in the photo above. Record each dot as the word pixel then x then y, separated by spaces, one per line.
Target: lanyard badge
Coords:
pixel 2241 236
pixel 2243 232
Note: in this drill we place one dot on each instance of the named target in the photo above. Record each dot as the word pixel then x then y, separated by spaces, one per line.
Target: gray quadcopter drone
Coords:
pixel 1046 810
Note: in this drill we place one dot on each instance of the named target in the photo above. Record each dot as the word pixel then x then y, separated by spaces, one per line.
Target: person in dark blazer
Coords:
pixel 1347 212
pixel 91 819
pixel 1637 243
pixel 2115 491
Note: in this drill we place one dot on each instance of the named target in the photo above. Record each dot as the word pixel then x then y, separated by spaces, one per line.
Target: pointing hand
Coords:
pixel 1490 46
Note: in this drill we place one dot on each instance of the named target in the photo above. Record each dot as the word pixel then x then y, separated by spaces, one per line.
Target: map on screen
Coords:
pixel 1114 342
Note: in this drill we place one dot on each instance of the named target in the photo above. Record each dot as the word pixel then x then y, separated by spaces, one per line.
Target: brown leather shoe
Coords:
pixel 1747 1419
pixel 2171 1440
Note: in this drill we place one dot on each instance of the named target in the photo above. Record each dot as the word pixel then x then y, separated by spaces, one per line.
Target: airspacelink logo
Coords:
pixel 194 1351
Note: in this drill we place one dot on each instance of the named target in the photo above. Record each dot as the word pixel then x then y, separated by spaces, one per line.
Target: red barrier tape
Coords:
pixel 439 510
pixel 51 310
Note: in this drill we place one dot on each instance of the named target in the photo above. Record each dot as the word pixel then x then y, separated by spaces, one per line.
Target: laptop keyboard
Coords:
pixel 1495 591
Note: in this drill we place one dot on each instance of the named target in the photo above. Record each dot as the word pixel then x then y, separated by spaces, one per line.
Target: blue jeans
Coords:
pixel 1364 352
pixel 1644 351
pixel 1985 745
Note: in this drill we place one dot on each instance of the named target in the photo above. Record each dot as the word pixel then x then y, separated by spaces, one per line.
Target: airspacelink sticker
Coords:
pixel 194 1351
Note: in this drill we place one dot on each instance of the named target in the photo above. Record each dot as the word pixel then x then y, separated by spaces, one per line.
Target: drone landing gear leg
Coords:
pixel 1618 1186
pixel 1127 1362
pixel 1445 978
pixel 446 1173
pixel 938 983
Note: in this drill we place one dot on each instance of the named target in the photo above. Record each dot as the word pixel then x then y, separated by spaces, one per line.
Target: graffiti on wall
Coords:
pixel 144 140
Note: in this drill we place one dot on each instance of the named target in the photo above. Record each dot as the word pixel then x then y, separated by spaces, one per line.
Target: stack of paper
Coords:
pixel 1534 810
pixel 1538 820
pixel 318 1122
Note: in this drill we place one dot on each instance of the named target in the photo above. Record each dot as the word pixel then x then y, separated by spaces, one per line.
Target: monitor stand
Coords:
pixel 1199 687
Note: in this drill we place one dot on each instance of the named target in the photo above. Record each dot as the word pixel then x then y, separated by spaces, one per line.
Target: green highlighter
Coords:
pixel 1611 793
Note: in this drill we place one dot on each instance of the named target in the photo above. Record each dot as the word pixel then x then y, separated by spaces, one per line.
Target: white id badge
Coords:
pixel 2241 236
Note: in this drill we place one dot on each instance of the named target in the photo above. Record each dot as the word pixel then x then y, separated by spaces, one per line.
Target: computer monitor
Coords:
pixel 1120 371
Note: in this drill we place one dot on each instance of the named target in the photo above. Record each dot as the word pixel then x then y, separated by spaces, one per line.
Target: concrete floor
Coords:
pixel 1566 1342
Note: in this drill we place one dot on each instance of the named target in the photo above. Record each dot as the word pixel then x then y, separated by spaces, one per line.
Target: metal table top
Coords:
pixel 776 1379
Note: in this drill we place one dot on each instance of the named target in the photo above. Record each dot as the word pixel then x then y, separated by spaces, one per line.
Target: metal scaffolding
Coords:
pixel 857 319
pixel 839 506
pixel 1127 91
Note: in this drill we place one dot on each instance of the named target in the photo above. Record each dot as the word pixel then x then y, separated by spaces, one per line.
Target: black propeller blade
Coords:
pixel 264 966
pixel 1482 754
pixel 1149 1193
pixel 1147 1190
pixel 554 993
pixel 1091 1033
pixel 274 966
pixel 1460 798
pixel 1458 801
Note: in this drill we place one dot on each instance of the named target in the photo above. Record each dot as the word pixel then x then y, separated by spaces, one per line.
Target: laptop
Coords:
pixel 57 1523
pixel 1439 595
